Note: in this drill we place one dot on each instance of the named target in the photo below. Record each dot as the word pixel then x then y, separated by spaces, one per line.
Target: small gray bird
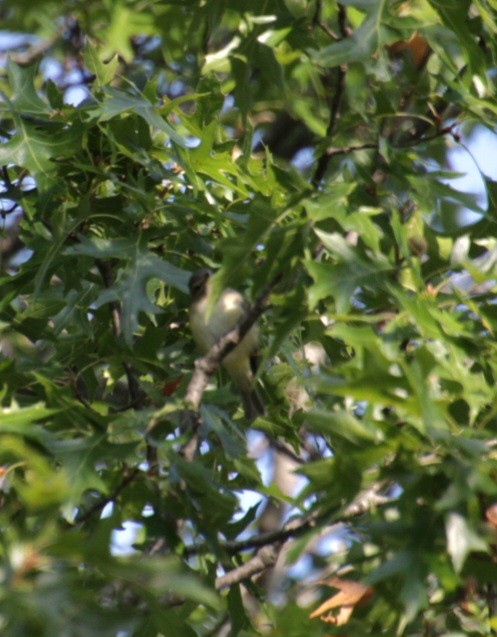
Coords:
pixel 241 363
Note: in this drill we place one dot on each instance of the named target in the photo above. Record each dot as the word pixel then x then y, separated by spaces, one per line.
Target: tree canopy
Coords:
pixel 302 150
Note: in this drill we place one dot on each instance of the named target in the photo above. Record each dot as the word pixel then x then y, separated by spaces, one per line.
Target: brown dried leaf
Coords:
pixel 350 594
pixel 491 514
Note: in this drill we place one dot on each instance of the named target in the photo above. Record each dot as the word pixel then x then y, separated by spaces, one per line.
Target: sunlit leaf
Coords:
pixel 104 71
pixel 117 102
pixel 461 539
pixel 359 45
pixel 34 148
pixel 25 98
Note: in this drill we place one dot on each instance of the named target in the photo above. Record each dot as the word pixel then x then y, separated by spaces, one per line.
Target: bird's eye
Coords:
pixel 198 285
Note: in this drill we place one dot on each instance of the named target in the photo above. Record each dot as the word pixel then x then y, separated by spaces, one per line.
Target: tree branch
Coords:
pixel 293 528
pixel 269 544
pixel 364 502
pixel 404 143
pixel 285 450
pixel 35 51
pixel 263 559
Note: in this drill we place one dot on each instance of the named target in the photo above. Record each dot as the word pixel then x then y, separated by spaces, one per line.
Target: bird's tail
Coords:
pixel 252 404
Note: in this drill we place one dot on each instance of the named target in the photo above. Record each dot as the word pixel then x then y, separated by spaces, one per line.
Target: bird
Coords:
pixel 209 325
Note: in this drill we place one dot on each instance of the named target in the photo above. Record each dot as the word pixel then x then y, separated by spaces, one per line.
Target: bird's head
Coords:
pixel 198 283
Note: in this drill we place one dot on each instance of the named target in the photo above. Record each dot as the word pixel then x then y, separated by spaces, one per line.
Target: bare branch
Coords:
pixel 293 528
pixel 34 52
pixel 367 500
pixel 262 560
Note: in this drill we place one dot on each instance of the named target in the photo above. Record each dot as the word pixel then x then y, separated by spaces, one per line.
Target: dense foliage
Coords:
pixel 302 149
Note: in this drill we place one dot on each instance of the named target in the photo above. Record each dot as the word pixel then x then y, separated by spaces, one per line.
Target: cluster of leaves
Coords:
pixel 292 139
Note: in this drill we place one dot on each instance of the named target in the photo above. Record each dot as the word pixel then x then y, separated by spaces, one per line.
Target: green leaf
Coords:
pixel 129 249
pixel 103 71
pixel 23 421
pixel 343 278
pixel 209 101
pixel 116 102
pixel 343 425
pixel 81 458
pixel 487 15
pixel 236 609
pixel 25 98
pixel 399 564
pixel 215 504
pixel 158 575
pixel 375 385
pixel 456 17
pixel 414 594
pixel 125 24
pixel 260 216
pixel 34 147
pixel 461 540
pixel 130 290
pixel 360 45
pixel 44 486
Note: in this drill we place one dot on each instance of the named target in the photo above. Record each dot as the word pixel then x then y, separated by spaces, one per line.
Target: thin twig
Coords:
pixel 317 20
pixel 293 528
pixel 285 450
pixel 336 100
pixel 101 504
pixel 404 143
